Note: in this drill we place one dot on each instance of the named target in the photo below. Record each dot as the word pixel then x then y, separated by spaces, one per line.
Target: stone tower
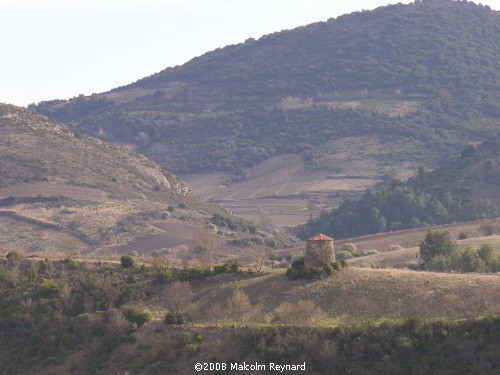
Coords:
pixel 319 251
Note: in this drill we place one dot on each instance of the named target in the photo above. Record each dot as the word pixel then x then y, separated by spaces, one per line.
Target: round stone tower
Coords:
pixel 319 251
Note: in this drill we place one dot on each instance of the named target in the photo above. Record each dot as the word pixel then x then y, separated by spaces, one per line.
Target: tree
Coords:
pixel 489 228
pixel 178 297
pixel 436 243
pixel 265 220
pixel 208 248
pixel 301 312
pixel 239 308
pixel 257 256
pixel 69 246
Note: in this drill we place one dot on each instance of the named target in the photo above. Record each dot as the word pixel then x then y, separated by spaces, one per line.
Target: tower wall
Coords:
pixel 318 253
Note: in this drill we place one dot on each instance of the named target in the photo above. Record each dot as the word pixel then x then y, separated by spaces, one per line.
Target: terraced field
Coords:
pixel 290 190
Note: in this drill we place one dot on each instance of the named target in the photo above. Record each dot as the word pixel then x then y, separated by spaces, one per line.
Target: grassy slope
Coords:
pixel 357 294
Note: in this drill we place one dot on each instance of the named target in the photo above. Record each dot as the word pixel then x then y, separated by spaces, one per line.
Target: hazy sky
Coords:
pixel 60 48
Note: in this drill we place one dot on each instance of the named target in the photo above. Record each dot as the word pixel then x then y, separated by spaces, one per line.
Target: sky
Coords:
pixel 58 49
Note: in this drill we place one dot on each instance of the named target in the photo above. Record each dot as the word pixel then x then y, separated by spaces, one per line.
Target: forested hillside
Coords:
pixel 466 189
pixel 424 73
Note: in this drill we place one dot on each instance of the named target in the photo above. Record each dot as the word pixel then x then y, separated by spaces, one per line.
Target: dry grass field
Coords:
pixel 359 294
pixel 405 257
pixel 412 237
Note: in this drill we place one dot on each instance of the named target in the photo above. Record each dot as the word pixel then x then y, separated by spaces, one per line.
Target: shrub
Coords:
pixel 127 261
pixel 298 262
pixel 343 263
pixel 350 247
pixel 328 268
pixel 341 254
pixel 47 289
pixel 292 273
pixel 190 349
pixel 338 265
pixel 194 273
pixel 298 271
pixel 395 247
pixel 302 312
pixel 137 316
pixel 462 235
pixel 162 277
pixel 14 256
pixel 227 268
pixel 172 318
pixel 71 263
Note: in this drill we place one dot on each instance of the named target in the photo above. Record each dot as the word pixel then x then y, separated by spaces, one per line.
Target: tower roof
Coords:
pixel 320 237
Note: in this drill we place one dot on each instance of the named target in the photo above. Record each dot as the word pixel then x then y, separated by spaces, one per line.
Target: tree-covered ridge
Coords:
pixel 397 206
pixel 429 198
pixel 294 90
pixel 412 47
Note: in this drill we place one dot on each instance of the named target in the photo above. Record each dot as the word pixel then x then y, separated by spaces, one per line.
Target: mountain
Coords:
pixel 61 190
pixel 395 87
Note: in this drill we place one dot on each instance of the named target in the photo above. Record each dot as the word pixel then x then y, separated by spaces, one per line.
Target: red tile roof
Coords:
pixel 320 237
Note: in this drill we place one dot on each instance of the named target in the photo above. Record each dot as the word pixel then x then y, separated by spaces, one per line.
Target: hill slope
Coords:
pixel 61 190
pixel 352 98
pixel 430 62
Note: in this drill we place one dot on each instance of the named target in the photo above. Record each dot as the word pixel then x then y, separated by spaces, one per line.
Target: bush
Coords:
pixel 302 312
pixel 71 263
pixel 344 263
pixel 14 256
pixel 292 273
pixel 338 265
pixel 298 262
pixel 328 268
pixel 341 254
pixel 194 273
pixel 462 235
pixel 127 261
pixel 190 350
pixel 172 318
pixel 137 316
pixel 350 247
pixel 227 268
pixel 162 277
